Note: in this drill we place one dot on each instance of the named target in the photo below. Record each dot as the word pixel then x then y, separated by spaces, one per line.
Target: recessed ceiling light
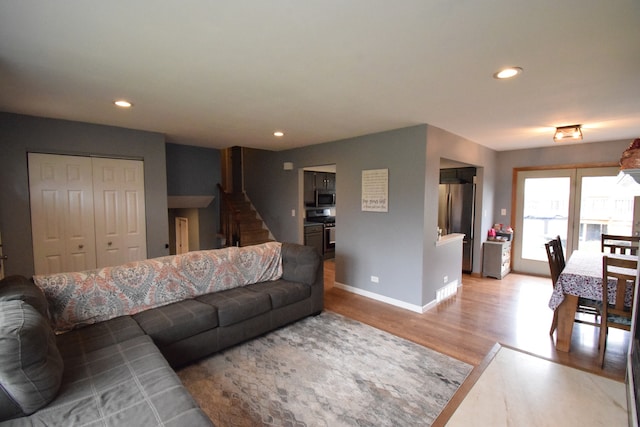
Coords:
pixel 278 133
pixel 507 73
pixel 122 103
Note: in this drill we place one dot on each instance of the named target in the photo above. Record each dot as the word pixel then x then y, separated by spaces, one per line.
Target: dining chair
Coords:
pixel 560 252
pixel 611 243
pixel 556 265
pixel 622 271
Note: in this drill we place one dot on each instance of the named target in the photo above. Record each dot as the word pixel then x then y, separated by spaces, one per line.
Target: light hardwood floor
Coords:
pixel 512 311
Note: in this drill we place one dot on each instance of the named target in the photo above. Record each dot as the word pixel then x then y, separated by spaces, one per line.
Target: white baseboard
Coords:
pixel 387 300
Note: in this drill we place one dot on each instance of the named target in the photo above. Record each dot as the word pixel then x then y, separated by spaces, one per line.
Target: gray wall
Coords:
pixel 195 171
pixel 21 134
pixel 387 245
pixel 273 190
pixel 397 246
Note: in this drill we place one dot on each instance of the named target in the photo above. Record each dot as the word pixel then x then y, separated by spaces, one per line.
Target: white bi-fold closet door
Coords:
pixel 86 212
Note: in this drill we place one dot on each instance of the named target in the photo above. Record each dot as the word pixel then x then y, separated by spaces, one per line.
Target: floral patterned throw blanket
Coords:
pixel 86 297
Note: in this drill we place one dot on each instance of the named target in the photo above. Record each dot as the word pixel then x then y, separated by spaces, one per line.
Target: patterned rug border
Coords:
pixel 327 370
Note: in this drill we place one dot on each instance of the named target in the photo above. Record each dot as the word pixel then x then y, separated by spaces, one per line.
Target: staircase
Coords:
pixel 252 230
pixel 241 225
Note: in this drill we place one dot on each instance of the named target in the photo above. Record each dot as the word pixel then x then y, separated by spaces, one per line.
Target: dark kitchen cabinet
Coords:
pixel 319 181
pixel 313 235
pixel 324 181
pixel 457 175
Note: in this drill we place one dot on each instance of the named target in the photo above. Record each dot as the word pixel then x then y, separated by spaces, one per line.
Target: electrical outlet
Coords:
pixel 293 212
pixel 503 212
pixel 445 279
pixel 375 279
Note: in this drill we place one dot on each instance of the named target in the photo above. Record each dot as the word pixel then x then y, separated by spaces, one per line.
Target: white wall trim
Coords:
pixel 387 300
pixel 429 306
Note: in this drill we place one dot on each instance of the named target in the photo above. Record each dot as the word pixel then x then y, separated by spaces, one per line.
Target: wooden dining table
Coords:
pixel 581 277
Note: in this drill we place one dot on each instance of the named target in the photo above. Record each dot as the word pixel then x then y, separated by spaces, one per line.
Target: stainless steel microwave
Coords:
pixel 325 198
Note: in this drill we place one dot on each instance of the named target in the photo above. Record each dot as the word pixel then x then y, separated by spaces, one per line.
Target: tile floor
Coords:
pixel 518 389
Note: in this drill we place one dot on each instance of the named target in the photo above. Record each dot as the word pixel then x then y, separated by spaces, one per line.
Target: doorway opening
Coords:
pixel 318 199
pixel 457 205
pixel 182 235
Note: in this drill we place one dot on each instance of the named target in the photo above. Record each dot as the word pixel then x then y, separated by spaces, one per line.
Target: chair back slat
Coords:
pixel 622 272
pixel 553 256
pixel 561 259
pixel 615 244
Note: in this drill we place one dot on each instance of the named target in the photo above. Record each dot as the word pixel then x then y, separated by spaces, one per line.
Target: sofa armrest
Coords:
pixel 300 263
pixel 304 264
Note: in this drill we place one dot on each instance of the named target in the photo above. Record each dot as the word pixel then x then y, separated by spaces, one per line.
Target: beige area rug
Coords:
pixel 326 370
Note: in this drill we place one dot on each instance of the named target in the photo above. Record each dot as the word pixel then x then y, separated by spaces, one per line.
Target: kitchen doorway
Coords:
pixel 317 202
pixel 457 205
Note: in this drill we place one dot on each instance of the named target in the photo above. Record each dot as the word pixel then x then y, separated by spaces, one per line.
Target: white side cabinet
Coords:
pixel 496 259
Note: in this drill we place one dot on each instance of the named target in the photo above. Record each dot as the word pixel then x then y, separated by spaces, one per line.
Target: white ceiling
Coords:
pixel 223 73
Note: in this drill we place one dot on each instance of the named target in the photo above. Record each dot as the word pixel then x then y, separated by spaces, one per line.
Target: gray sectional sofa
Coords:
pixel 120 371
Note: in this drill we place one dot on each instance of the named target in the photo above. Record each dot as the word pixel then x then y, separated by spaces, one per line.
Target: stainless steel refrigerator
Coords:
pixel 456 215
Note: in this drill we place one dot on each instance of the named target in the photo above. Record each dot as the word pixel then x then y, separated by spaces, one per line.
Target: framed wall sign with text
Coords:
pixel 375 190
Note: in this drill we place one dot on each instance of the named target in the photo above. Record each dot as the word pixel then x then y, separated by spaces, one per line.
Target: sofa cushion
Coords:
pixel 238 304
pixel 177 321
pixel 30 364
pixel 283 292
pixel 300 263
pixel 128 383
pixel 20 288
pixel 99 335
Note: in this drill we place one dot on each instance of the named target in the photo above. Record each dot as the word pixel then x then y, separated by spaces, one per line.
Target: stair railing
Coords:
pixel 230 220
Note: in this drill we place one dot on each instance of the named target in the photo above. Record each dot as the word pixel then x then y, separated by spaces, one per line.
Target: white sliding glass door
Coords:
pixel 576 204
pixel 606 206
pixel 543 208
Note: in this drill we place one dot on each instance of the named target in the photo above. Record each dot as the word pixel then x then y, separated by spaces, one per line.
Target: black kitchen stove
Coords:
pixel 321 216
pixel 326 220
